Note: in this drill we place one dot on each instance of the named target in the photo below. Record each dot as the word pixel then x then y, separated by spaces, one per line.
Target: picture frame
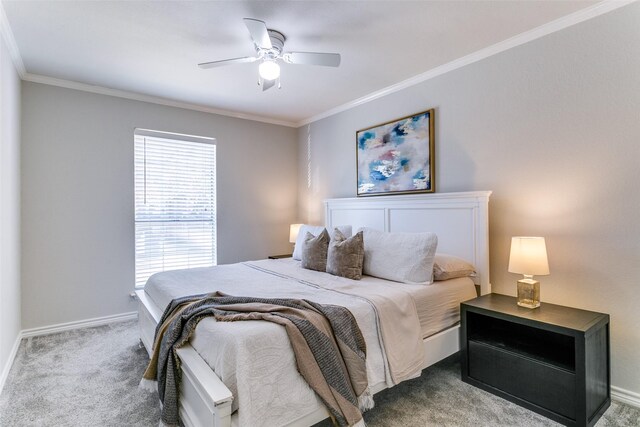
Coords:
pixel 397 157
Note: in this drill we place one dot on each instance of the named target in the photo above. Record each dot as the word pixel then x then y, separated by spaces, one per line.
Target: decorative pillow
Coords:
pixel 314 251
pixel 447 267
pixel 345 256
pixel 401 257
pixel 315 230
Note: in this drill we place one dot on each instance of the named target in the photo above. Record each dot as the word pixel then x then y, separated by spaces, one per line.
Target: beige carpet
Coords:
pixel 89 377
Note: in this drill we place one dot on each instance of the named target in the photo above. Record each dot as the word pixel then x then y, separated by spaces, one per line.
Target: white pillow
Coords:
pixel 315 230
pixel 447 267
pixel 401 257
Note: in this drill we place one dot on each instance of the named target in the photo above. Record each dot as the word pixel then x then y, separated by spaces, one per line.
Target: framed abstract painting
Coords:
pixel 397 157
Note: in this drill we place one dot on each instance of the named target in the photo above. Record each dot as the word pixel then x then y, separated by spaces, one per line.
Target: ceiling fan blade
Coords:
pixel 312 58
pixel 259 33
pixel 268 84
pixel 214 64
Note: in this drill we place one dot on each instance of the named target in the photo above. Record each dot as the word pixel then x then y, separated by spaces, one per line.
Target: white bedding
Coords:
pixel 254 359
pixel 438 304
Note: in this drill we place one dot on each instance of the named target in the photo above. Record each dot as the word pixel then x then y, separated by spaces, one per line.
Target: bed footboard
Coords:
pixel 205 400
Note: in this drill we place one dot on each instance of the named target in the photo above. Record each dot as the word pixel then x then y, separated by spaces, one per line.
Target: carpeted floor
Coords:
pixel 89 377
pixel 85 377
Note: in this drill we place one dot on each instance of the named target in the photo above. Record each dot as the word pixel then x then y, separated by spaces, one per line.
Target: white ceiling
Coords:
pixel 152 47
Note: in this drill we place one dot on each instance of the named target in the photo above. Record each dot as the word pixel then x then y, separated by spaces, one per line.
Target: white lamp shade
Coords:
pixel 269 70
pixel 528 256
pixel 294 229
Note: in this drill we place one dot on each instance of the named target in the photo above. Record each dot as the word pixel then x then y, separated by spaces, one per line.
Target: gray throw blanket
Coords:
pixel 328 345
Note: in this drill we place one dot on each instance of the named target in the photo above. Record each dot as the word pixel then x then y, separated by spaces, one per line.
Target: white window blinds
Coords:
pixel 175 203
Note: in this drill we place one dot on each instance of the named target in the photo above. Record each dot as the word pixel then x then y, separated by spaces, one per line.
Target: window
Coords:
pixel 175 202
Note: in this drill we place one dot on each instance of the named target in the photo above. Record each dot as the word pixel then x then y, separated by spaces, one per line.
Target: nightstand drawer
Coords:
pixel 539 383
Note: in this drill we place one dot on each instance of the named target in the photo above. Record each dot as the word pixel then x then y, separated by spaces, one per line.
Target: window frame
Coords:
pixel 178 137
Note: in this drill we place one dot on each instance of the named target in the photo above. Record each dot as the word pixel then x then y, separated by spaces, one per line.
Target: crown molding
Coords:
pixel 69 84
pixel 536 33
pixel 9 39
pixel 517 40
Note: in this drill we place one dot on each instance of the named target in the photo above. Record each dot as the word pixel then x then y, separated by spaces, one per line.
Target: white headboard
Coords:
pixel 461 221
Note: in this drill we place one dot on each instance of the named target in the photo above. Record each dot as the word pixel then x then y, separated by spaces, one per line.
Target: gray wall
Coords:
pixel 77 196
pixel 9 206
pixel 553 128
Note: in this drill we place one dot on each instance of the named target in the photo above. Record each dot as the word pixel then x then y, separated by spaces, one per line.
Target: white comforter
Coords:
pixel 255 360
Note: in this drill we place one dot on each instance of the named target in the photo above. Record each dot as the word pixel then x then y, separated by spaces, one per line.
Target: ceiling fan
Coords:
pixel 269 45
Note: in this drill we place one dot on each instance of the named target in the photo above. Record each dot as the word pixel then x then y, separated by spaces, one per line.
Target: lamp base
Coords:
pixel 528 293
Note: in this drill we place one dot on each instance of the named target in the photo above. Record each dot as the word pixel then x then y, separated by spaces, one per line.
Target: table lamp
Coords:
pixel 294 229
pixel 528 257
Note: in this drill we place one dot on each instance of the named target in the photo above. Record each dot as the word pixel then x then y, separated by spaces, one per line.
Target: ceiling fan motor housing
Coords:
pixel 277 43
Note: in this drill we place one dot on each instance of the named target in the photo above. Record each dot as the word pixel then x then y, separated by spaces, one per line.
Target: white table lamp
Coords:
pixel 528 257
pixel 294 229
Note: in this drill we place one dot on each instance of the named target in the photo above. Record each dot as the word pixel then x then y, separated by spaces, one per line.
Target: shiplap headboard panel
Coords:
pixel 461 221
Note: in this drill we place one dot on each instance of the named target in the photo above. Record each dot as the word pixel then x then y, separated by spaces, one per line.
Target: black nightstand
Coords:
pixel 553 360
pixel 280 256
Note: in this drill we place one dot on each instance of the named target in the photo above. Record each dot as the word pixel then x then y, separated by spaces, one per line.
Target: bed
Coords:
pixel 269 391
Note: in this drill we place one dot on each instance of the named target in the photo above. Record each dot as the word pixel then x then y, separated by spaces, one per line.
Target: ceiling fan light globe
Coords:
pixel 269 70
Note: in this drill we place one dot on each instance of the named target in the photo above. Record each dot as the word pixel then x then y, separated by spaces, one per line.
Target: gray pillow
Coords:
pixel 314 251
pixel 315 230
pixel 345 256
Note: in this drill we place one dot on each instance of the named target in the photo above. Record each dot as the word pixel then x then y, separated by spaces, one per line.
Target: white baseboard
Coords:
pixel 97 321
pixel 625 396
pixel 9 363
